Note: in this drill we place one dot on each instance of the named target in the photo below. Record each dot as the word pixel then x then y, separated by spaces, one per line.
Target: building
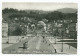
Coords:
pixel 4 29
pixel 73 30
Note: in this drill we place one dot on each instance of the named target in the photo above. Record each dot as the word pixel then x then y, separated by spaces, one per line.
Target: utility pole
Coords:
pixel 62 43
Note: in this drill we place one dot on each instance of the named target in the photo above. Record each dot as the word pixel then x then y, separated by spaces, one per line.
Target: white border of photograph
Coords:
pixel 54 1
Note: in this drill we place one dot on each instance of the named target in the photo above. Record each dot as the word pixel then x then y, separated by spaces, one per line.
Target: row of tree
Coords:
pixel 50 16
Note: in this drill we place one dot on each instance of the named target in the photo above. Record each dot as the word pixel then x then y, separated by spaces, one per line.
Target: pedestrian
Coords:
pixel 25 45
pixel 7 42
pixel 22 38
pixel 43 37
pixel 49 44
pixel 55 51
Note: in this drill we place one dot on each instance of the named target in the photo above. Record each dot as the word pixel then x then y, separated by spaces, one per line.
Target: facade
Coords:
pixel 4 29
pixel 68 26
pixel 73 30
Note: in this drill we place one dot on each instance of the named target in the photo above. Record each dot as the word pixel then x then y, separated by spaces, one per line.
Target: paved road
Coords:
pixel 35 45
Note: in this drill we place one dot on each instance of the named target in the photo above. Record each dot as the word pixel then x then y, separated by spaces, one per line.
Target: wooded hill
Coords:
pixel 10 14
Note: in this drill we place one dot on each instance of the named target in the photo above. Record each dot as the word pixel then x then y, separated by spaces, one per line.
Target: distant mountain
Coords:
pixel 63 10
pixel 67 10
pixel 36 11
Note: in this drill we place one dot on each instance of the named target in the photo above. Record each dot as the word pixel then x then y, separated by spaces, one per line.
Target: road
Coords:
pixel 36 45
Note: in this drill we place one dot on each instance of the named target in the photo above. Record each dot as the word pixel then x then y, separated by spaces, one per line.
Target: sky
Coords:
pixel 38 6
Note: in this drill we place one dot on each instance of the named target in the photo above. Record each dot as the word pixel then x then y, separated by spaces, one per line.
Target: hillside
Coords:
pixel 67 10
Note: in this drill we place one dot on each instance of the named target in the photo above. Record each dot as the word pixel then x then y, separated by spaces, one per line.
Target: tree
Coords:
pixel 54 16
pixel 18 31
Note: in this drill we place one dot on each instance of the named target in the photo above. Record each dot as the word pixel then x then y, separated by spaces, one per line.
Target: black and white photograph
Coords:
pixel 39 28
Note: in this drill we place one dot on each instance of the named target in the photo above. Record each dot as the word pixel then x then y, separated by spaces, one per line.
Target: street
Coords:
pixel 35 45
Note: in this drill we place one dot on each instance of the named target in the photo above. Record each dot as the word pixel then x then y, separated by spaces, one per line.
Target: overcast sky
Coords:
pixel 38 6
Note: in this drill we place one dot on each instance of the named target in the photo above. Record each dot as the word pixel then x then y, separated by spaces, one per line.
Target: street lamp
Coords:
pixel 54 24
pixel 8 35
pixel 62 44
pixel 62 32
pixel 8 39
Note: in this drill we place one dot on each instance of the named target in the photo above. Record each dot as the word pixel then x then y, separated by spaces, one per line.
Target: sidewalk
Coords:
pixel 67 49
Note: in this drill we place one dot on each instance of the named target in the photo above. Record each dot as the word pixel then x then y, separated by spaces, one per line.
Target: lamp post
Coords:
pixel 8 35
pixel 62 32
pixel 8 39
pixel 62 43
pixel 56 32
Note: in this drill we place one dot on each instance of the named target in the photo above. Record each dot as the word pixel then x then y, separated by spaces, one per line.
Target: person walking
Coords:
pixel 25 45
